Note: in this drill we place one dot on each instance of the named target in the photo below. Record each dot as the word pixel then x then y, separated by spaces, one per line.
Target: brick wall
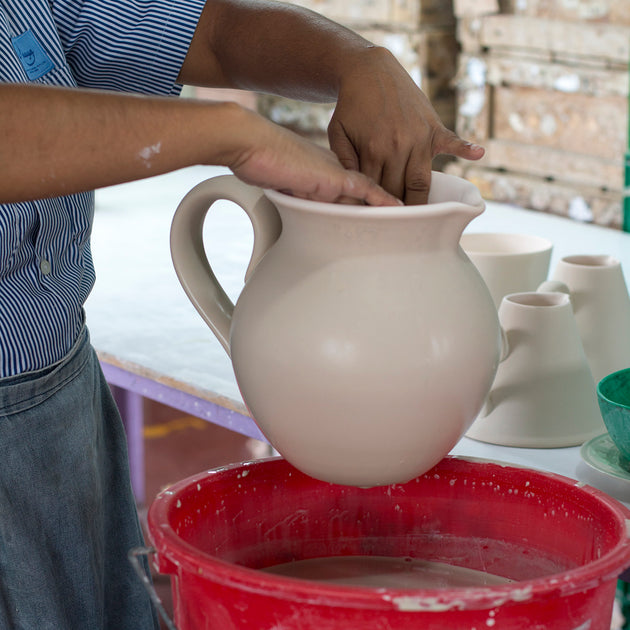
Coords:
pixel 543 84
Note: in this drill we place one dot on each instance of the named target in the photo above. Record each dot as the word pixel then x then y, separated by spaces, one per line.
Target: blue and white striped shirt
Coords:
pixel 46 270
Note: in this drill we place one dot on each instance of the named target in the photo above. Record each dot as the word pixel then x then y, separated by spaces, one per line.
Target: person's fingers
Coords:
pixel 470 151
pixel 349 201
pixel 418 176
pixel 369 165
pixel 343 148
pixel 348 187
pixel 356 188
pixel 418 168
pixel 361 187
pixel 393 174
pixel 287 162
pixel 449 143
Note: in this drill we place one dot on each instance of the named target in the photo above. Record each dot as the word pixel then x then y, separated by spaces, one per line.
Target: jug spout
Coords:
pixel 453 189
pixel 454 203
pixel 458 198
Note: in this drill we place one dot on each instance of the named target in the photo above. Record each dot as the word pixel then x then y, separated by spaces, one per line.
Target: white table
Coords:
pixel 152 342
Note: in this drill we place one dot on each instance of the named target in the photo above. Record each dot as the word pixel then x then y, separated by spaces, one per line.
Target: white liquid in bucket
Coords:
pixel 385 572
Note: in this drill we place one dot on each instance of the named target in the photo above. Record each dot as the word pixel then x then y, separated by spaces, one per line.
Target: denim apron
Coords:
pixel 67 512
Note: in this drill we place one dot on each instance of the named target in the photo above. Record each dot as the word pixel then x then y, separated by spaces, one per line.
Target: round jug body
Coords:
pixel 364 341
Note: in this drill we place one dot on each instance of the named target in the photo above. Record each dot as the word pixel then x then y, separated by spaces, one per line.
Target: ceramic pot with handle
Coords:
pixel 364 341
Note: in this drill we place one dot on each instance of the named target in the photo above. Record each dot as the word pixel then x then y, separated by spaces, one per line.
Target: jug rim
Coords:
pixel 470 203
pixel 591 261
pixel 539 299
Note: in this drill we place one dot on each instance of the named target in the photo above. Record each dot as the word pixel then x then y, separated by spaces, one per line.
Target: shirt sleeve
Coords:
pixel 127 45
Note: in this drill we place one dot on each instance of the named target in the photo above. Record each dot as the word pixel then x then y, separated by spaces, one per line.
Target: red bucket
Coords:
pixel 563 543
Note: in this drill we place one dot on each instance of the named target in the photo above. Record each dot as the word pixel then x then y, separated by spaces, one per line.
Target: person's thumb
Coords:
pixel 449 143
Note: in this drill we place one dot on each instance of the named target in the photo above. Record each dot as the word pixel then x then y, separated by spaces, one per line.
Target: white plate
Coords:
pixel 601 454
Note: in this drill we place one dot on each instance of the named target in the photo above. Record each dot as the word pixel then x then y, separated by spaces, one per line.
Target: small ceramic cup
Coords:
pixel 508 263
pixel 613 394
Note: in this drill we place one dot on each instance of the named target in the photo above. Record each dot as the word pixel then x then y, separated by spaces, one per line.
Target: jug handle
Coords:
pixel 189 256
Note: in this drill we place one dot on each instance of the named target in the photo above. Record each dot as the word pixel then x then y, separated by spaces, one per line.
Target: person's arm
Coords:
pixel 383 123
pixel 58 141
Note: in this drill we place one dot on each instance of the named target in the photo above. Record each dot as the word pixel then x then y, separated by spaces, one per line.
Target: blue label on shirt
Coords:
pixel 32 56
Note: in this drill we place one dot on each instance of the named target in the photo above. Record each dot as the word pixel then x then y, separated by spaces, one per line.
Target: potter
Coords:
pixel 364 341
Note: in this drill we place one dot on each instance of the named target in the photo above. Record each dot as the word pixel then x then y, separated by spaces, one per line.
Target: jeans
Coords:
pixel 67 513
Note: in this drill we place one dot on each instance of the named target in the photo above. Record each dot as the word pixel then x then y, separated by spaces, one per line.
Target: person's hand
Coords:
pixel 273 157
pixel 385 127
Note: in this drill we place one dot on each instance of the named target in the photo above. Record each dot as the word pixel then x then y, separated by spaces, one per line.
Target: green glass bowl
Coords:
pixel 613 394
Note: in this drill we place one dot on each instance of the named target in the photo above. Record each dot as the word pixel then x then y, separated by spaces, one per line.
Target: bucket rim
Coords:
pixel 175 554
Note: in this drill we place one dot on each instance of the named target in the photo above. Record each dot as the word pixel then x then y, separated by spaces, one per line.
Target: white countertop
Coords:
pixel 139 316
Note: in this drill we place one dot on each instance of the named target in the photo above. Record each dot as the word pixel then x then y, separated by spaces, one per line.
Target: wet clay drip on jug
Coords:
pixel 385 572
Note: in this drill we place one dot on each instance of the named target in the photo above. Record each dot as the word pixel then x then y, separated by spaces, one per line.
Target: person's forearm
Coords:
pixel 57 141
pixel 383 125
pixel 273 47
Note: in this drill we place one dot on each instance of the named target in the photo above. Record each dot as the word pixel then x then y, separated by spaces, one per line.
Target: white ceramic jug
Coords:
pixel 544 394
pixel 602 308
pixel 364 341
